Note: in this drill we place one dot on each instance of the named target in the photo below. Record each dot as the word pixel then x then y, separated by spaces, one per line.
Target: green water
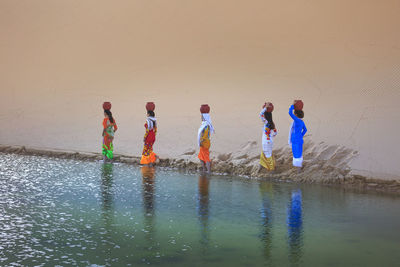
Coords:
pixel 66 212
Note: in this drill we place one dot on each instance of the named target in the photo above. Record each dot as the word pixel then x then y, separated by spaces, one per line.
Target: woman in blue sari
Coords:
pixel 296 134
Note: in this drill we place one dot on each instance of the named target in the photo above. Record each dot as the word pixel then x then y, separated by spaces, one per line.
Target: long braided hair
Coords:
pixel 109 114
pixel 268 117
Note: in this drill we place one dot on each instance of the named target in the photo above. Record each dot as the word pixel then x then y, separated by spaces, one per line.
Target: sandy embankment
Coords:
pixel 60 60
pixel 329 167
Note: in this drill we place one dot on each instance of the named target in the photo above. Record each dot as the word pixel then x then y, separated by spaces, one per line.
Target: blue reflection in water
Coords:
pixel 295 227
pixel 203 209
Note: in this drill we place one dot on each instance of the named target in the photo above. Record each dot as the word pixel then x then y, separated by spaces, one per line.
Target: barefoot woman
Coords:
pixel 109 129
pixel 148 156
pixel 203 138
pixel 297 132
pixel 267 159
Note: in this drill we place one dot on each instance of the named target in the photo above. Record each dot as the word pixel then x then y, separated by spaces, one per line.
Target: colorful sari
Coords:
pixel 108 137
pixel 268 163
pixel 148 156
pixel 204 153
pixel 203 137
pixel 296 133
pixel 267 159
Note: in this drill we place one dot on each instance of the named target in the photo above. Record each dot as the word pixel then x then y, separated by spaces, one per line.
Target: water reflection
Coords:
pixel 148 192
pixel 266 190
pixel 203 210
pixel 106 186
pixel 295 228
pixel 51 213
pixel 107 209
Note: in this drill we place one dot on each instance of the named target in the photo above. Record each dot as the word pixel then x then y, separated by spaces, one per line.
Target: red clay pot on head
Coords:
pixel 106 105
pixel 270 107
pixel 205 108
pixel 298 105
pixel 150 106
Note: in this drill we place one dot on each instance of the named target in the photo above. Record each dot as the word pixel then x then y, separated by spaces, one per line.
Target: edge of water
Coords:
pixel 329 176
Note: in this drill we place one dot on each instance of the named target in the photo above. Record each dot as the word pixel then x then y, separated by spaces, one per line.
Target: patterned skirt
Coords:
pixel 148 156
pixel 268 163
pixel 107 147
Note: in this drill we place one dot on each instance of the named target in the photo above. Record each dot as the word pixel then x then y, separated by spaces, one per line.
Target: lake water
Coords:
pixel 69 212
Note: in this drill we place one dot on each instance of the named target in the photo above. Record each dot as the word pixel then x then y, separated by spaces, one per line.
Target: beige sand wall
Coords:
pixel 59 60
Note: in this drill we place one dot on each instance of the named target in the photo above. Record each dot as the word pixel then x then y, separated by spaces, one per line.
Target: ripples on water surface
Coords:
pixel 67 212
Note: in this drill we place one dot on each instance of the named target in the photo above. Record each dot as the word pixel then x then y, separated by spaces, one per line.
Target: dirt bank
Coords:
pixel 329 167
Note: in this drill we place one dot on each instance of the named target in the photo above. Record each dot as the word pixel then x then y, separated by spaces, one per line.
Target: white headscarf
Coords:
pixel 150 122
pixel 206 122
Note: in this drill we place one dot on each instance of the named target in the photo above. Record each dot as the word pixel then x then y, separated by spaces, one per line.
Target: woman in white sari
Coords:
pixel 267 159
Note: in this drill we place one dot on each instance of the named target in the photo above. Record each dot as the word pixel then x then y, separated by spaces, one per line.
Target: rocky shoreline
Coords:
pixel 316 171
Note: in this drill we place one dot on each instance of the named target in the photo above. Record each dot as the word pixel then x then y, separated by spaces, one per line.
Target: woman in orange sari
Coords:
pixel 109 129
pixel 148 156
